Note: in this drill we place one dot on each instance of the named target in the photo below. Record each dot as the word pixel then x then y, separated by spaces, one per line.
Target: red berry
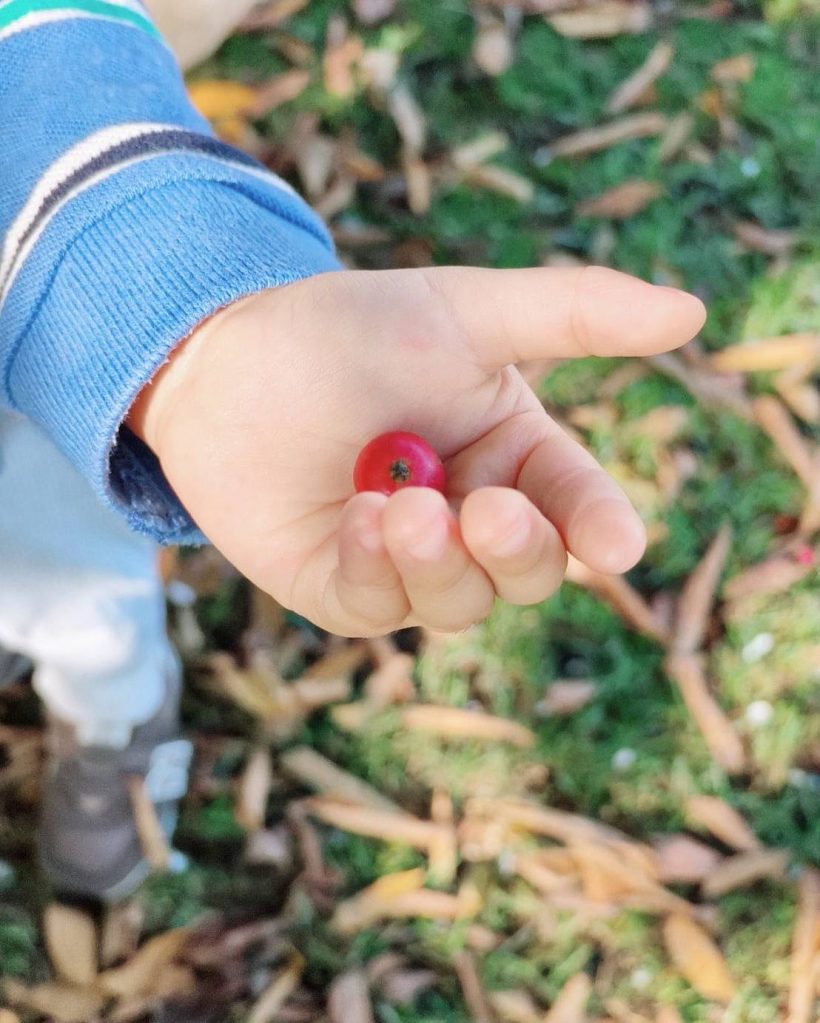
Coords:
pixel 395 460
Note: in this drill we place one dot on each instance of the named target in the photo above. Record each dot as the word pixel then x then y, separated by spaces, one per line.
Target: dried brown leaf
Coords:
pixel 630 91
pixel 139 975
pixel 284 983
pixel 348 1000
pixel 668 1014
pixel 739 68
pixel 802 398
pixel 608 878
pixel 515 1006
pixel 769 241
pixel 567 696
pixel 256 691
pixel 628 603
pixel 770 353
pixel 772 417
pixel 697 597
pixel 805 948
pixel 706 387
pixel 603 20
pixel 401 895
pixel 392 681
pixel 675 136
pixel 723 821
pixel 459 723
pixel 622 201
pixel 501 180
pixel 59 1002
pixel 343 51
pixel 377 823
pixel 685 860
pixel 493 49
pixel 774 575
pixel 419 182
pixel 744 869
pixel 408 117
pixel 571 1003
pixel 71 940
pixel 724 744
pixel 593 140
pixel 277 91
pixel 472 988
pixel 7 1016
pixel 478 150
pixel 541 820
pixel 221 99
pixel 254 788
pixel 698 959
pixel 542 876
pixel 316 771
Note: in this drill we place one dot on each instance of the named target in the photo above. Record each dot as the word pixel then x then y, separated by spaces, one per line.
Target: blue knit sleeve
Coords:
pixel 123 225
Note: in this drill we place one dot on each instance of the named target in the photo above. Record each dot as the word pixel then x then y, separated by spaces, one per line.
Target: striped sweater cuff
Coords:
pixel 127 289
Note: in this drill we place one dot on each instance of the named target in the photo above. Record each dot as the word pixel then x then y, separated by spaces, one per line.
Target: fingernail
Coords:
pixel 431 544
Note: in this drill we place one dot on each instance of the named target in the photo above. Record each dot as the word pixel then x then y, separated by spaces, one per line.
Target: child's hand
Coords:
pixel 259 416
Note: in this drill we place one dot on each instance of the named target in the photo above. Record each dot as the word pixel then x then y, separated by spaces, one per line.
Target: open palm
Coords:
pixel 260 415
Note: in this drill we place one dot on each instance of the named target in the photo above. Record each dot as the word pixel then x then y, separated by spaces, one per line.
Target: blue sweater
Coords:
pixel 124 223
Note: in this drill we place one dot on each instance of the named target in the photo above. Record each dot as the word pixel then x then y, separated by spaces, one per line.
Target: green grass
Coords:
pixel 768 174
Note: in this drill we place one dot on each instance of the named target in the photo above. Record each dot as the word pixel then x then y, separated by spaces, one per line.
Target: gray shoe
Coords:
pixel 13 667
pixel 88 844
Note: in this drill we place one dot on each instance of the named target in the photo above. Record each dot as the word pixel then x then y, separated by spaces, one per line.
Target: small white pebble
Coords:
pixel 757 648
pixel 759 713
pixel 749 167
pixel 623 759
pixel 641 978
pixel 180 594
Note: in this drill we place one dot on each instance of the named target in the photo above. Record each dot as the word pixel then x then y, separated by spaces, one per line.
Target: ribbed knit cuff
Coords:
pixel 128 289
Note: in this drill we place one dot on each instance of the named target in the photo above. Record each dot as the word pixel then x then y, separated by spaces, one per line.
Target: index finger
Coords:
pixel 509 316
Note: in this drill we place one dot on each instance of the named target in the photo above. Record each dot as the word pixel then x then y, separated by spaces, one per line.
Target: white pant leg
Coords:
pixel 195 28
pixel 79 592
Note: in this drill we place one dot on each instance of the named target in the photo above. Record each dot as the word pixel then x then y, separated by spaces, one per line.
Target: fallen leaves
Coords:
pixel 745 869
pixel 696 600
pixel 805 963
pixel 698 959
pixel 629 92
pixel 723 821
pixel 458 723
pixel 724 745
pixel 593 140
pixel 771 353
pixel 570 1005
pixel 219 99
pixel 602 20
pixel 622 201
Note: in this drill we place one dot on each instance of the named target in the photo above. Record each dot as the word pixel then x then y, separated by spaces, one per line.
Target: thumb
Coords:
pixel 513 315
